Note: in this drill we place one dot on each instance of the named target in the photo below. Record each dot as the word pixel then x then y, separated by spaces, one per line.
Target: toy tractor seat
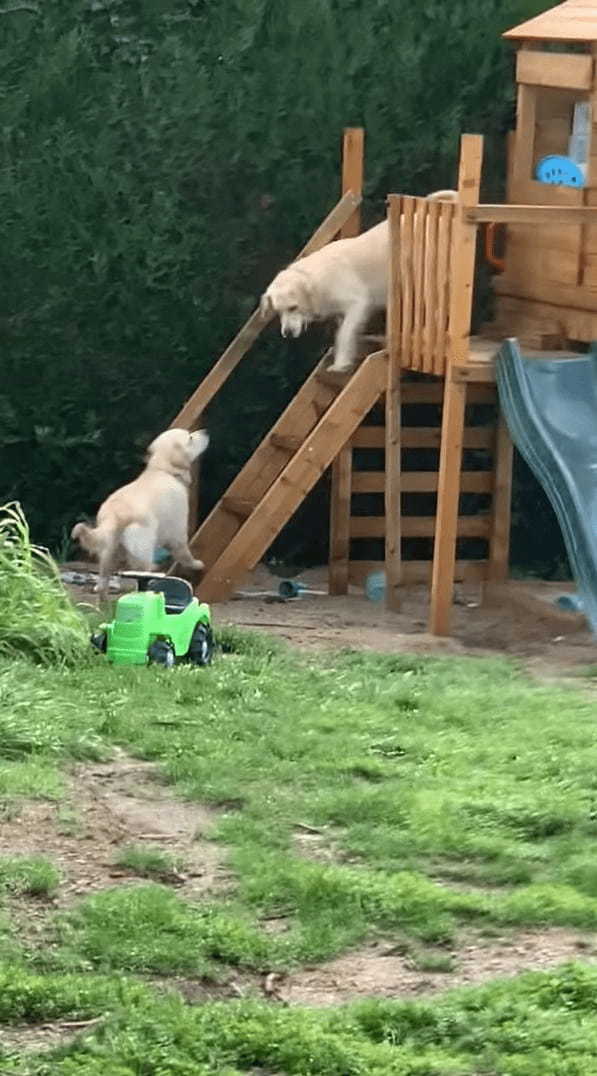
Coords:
pixel 177 592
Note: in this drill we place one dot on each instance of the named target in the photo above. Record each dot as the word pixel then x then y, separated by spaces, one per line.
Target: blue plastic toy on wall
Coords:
pixel 559 171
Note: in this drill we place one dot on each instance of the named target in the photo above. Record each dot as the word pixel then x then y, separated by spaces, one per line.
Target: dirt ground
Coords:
pixel 112 804
pixel 519 619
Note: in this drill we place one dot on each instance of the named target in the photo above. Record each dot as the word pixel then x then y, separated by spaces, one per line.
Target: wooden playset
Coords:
pixel 428 362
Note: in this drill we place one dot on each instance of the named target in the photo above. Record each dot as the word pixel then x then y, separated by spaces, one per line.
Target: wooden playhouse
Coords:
pixel 453 508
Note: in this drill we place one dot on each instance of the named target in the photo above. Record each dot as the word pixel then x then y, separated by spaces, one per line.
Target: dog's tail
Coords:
pixel 90 538
pixel 443 196
pixel 100 541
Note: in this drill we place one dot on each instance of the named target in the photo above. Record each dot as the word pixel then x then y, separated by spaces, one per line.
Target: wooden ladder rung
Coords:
pixel 238 506
pixel 286 442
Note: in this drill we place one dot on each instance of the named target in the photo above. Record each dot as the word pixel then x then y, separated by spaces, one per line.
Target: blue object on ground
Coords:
pixel 550 406
pixel 375 586
pixel 161 555
pixel 288 588
pixel 571 602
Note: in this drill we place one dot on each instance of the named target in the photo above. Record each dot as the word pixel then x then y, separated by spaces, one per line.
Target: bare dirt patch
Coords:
pixel 110 805
pixel 523 622
pixel 35 1038
pixel 379 971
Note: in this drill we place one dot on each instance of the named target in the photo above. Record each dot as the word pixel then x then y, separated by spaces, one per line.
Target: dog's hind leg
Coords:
pixel 183 556
pixel 107 559
pixel 345 347
pixel 139 541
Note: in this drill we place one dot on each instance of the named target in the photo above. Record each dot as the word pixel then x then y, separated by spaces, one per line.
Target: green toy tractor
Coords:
pixel 160 623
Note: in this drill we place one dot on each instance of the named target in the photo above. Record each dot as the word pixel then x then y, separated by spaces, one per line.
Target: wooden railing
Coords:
pixel 421 248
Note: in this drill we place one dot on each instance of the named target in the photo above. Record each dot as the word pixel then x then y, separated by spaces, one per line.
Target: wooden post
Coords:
pixel 450 461
pixel 340 496
pixel 393 553
pixel 352 175
pixel 499 541
pixel 524 139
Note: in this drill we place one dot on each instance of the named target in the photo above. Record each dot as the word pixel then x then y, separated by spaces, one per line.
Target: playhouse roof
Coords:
pixel 574 20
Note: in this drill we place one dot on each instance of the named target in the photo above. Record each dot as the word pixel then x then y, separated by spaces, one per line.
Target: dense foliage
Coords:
pixel 160 160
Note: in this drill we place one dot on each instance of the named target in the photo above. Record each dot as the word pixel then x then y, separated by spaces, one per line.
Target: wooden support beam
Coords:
pixel 339 554
pixel 452 437
pixel 526 117
pixel 418 571
pixel 393 555
pixel 421 482
pixel 237 349
pixel 499 542
pixel 422 436
pixel 566 71
pixel 352 182
pixel 444 551
pixel 353 165
pixel 531 214
pixel 478 526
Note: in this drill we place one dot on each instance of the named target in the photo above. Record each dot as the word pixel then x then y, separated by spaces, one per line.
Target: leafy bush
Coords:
pixel 160 162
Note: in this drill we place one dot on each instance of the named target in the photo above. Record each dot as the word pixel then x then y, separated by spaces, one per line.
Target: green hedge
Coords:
pixel 161 159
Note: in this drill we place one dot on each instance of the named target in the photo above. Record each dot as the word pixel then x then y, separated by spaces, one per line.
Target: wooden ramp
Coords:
pixel 284 468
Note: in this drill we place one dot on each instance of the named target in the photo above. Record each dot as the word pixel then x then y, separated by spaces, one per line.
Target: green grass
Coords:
pixel 449 793
pixel 418 772
pixel 536 1025
pixel 31 876
pixel 433 962
pixel 148 861
pixel 37 618
pixel 148 928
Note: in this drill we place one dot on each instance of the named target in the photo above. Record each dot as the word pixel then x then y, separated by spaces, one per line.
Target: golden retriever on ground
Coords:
pixel 346 280
pixel 149 512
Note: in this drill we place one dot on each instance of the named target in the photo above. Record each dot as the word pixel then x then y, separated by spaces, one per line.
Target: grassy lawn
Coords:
pixel 356 796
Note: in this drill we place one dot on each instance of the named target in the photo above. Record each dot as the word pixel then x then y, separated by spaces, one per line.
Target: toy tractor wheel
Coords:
pixel 202 645
pixel 99 640
pixel 162 653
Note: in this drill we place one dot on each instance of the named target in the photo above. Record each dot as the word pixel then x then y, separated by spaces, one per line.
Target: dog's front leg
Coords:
pixel 345 347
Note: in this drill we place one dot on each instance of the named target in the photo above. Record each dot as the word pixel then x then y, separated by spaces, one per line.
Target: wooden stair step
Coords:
pixel 286 442
pixel 317 451
pixel 300 417
pixel 237 506
pixel 334 380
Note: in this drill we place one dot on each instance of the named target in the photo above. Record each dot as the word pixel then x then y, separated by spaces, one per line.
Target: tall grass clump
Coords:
pixel 37 618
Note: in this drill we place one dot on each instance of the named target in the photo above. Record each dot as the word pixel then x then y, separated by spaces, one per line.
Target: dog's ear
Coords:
pixel 308 296
pixel 265 305
pixel 178 458
pixel 199 441
pixel 169 450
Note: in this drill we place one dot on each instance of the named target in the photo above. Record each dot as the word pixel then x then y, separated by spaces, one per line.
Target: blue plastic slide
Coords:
pixel 550 406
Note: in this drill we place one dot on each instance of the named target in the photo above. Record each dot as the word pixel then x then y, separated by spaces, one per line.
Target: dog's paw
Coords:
pixel 198 565
pixel 340 368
